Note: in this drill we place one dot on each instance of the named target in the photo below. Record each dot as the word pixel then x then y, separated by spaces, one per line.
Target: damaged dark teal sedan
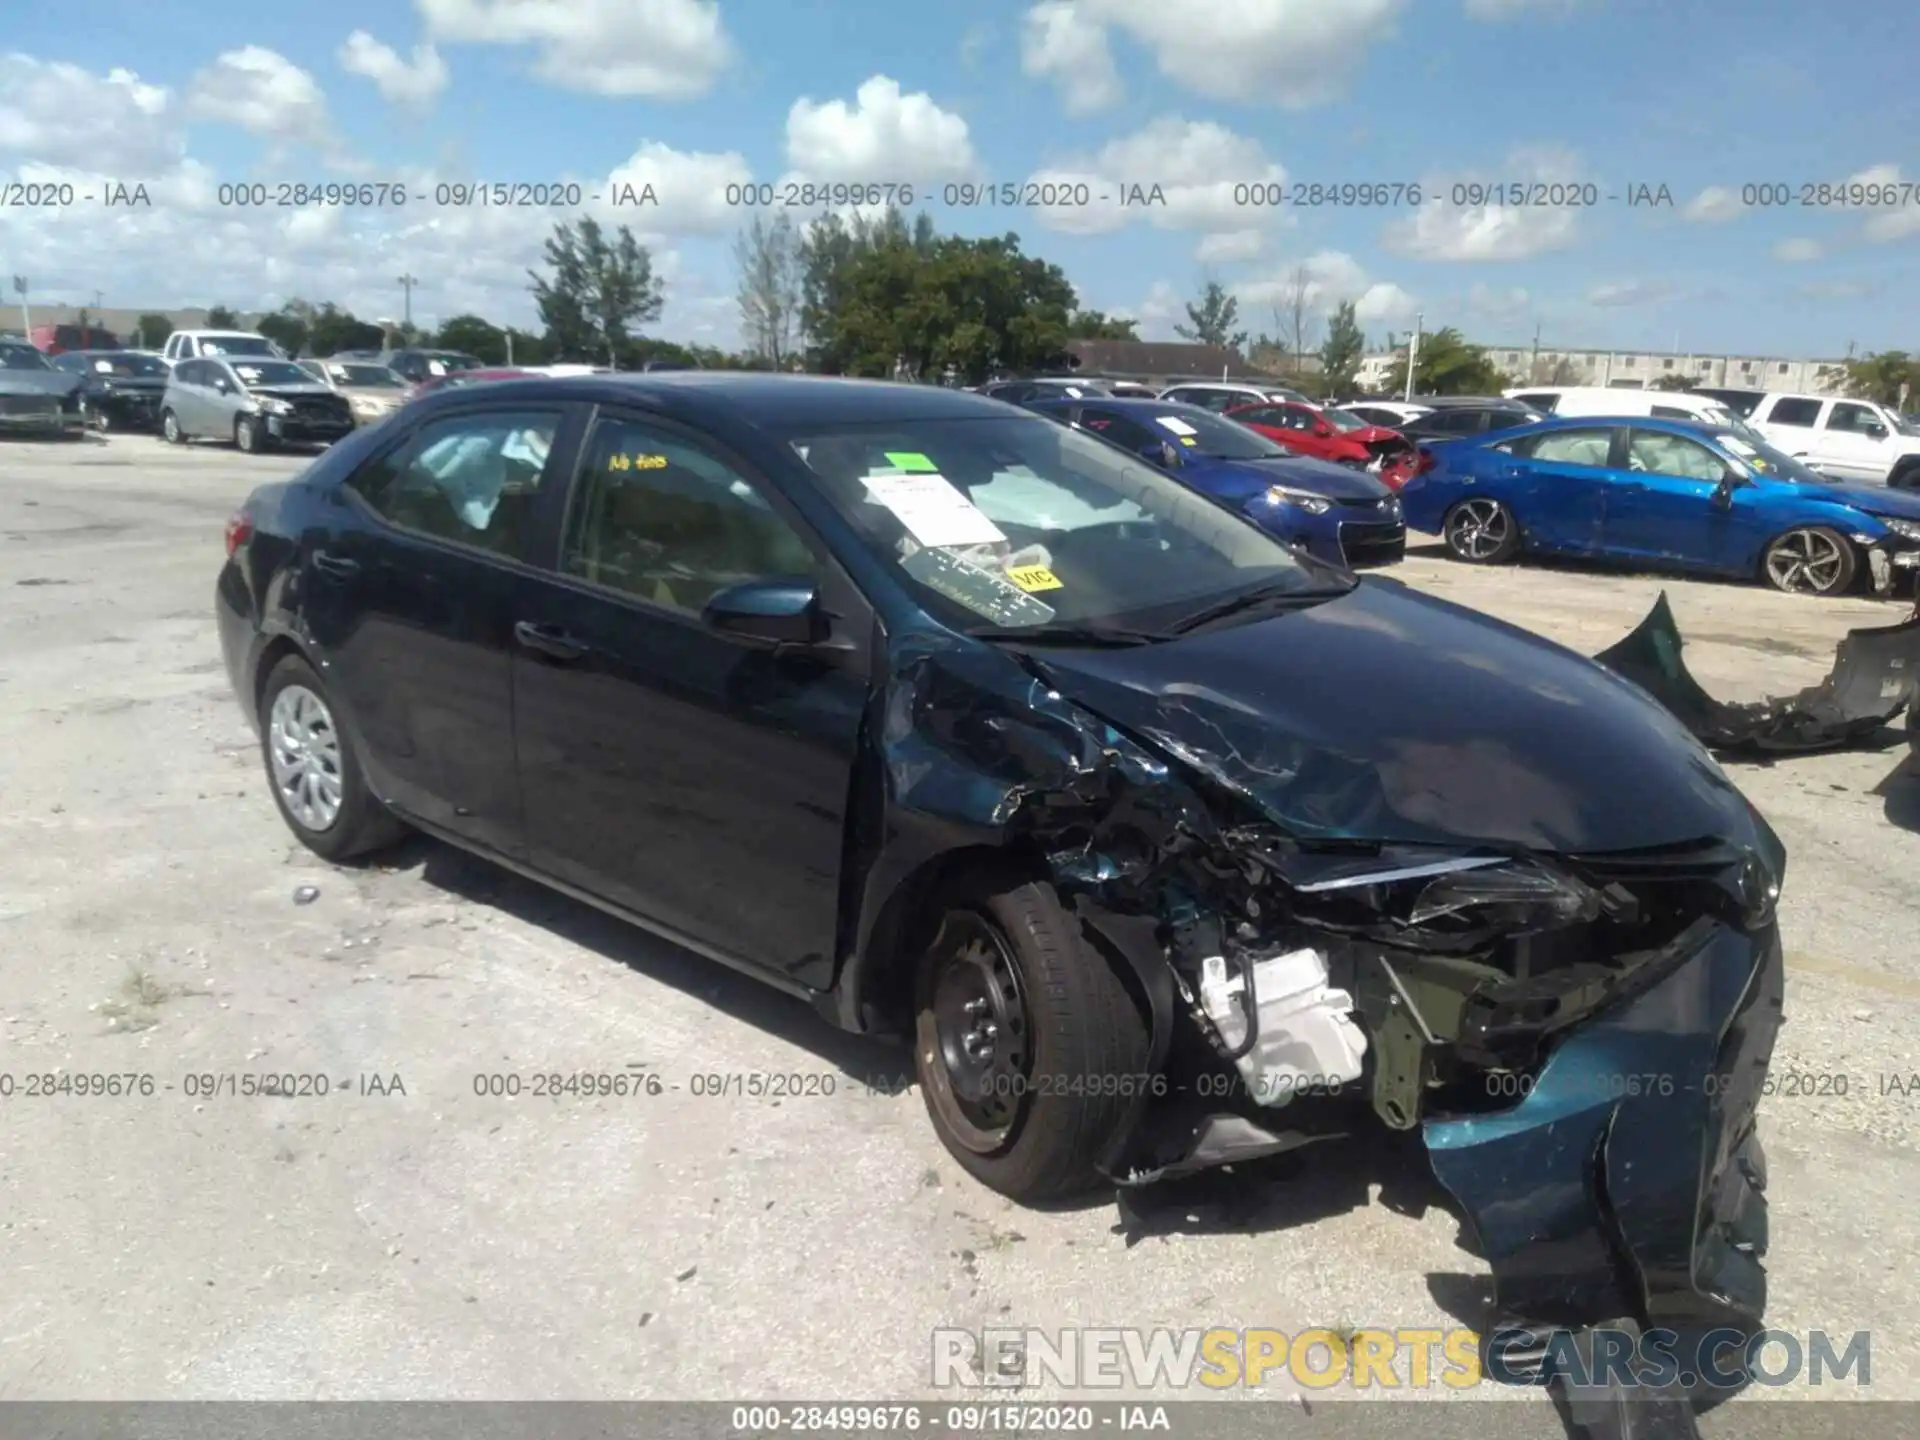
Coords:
pixel 1165 845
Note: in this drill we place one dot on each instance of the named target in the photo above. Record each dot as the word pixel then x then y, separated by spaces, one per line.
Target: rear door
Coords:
pixel 410 597
pixel 687 775
pixel 189 399
pixel 1557 484
pixel 1661 505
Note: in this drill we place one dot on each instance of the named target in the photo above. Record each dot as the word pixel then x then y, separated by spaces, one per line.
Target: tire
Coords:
pixel 1913 727
pixel 170 429
pixel 1810 560
pixel 102 422
pixel 295 707
pixel 1066 1018
pixel 1906 475
pixel 1481 531
pixel 246 435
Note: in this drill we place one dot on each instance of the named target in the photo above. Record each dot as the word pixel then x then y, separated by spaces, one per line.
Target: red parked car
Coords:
pixel 1333 435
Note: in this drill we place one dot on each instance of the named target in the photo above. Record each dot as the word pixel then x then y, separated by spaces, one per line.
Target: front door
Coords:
pixel 411 589
pixel 1851 443
pixel 1662 507
pixel 689 776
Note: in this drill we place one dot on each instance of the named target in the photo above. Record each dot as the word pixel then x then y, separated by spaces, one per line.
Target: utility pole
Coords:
pixel 98 296
pixel 407 282
pixel 1413 352
pixel 1533 365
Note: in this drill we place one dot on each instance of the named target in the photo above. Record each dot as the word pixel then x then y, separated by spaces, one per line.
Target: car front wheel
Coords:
pixel 170 428
pixel 1481 531
pixel 312 769
pixel 1812 560
pixel 1029 1051
pixel 246 435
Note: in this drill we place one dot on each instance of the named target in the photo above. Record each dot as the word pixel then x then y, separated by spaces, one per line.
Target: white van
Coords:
pixel 1604 401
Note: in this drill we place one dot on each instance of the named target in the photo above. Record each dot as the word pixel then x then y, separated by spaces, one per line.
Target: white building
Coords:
pixel 1636 369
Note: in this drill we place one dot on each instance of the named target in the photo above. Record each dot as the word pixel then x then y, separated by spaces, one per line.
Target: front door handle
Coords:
pixel 338 566
pixel 550 641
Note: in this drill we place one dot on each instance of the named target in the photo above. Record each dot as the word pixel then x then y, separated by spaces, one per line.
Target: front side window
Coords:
pixel 472 479
pixel 1017 522
pixel 1853 419
pixel 664 519
pixel 1654 452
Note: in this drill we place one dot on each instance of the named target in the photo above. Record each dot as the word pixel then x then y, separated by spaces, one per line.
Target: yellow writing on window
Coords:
pixel 1034 577
pixel 636 462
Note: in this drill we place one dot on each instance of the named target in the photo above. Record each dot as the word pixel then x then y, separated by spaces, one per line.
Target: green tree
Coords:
pixel 597 290
pixel 770 290
pixel 1341 349
pixel 1097 325
pixel 1675 381
pixel 1882 377
pixel 472 335
pixel 331 330
pixel 827 253
pixel 286 327
pixel 150 331
pixel 221 318
pixel 1212 318
pixel 1449 365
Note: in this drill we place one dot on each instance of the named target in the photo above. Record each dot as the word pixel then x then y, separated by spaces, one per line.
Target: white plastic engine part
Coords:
pixel 1306 1038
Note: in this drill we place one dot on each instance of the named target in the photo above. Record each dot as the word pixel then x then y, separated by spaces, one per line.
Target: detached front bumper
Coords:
pixel 1628 1183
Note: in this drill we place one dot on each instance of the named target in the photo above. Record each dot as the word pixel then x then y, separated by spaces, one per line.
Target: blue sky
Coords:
pixel 1705 99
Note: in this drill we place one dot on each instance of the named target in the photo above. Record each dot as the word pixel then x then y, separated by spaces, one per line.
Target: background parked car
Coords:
pixel 479 376
pixel 1342 516
pixel 1335 435
pixel 1855 440
pixel 35 398
pixel 372 392
pixel 1221 396
pixel 58 339
pixel 1452 416
pixel 1740 402
pixel 257 404
pixel 1665 493
pixel 121 388
pixel 215 344
pixel 1043 387
pixel 417 365
pixel 1392 414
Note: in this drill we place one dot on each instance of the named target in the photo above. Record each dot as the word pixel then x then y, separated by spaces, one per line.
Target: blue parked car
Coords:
pixel 1671 494
pixel 1336 514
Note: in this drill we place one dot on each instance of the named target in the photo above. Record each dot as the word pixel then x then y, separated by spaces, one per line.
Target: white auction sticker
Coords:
pixel 933 510
pixel 1176 425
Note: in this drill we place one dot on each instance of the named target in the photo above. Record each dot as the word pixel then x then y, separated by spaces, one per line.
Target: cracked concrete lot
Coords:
pixel 408 1235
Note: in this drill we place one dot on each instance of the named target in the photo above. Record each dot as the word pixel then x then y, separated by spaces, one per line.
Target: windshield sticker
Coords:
pixel 1739 447
pixel 1034 577
pixel 912 462
pixel 436 367
pixel 1176 425
pixel 1188 440
pixel 248 373
pixel 982 591
pixel 933 510
pixel 104 367
pixel 636 462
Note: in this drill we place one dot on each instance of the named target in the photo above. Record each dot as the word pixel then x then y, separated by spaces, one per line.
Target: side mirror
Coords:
pixel 1160 453
pixel 1729 482
pixel 1875 432
pixel 772 612
pixel 1322 428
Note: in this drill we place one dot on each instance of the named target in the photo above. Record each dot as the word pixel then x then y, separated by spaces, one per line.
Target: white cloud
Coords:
pixel 1714 205
pixel 1440 230
pixel 1327 279
pixel 61 114
pixel 1062 42
pixel 690 187
pixel 884 136
pixel 1499 307
pixel 1291 53
pixel 1156 314
pixel 264 93
pixel 669 49
pixel 416 82
pixel 1621 293
pixel 1797 250
pixel 1202 171
pixel 1509 9
pixel 1898 217
pixel 1230 247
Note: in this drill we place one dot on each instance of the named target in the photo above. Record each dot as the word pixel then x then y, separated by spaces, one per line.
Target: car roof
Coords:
pixel 1462 402
pixel 758 398
pixel 1124 404
pixel 1709 429
pixel 236 334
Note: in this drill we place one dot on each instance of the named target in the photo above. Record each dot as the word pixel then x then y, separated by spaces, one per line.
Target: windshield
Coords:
pixel 1723 416
pixel 1907 424
pixel 142 367
pixel 1345 420
pixel 448 362
pixel 237 345
pixel 364 375
pixel 1769 463
pixel 1201 432
pixel 22 357
pixel 1023 522
pixel 272 372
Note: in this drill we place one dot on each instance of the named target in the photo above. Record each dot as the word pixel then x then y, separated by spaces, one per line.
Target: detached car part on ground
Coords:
pixel 1876 676
pixel 1000 740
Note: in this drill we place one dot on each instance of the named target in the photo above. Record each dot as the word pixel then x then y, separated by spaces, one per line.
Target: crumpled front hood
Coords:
pixel 1243 479
pixel 1874 499
pixel 1386 715
pixel 39 382
pixel 315 391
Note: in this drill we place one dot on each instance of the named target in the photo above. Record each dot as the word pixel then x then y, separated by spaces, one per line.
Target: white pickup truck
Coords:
pixel 1858 441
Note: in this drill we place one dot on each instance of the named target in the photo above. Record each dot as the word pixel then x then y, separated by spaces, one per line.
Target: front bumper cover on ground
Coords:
pixel 1873 681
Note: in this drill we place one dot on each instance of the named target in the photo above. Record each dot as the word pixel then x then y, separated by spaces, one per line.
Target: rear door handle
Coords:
pixel 339 566
pixel 550 641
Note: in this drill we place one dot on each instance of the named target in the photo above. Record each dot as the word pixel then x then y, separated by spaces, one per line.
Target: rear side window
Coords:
pixel 470 479
pixel 1671 412
pixel 1574 447
pixel 1794 412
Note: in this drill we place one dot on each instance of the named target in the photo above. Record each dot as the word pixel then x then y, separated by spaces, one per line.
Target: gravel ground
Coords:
pixel 404 1237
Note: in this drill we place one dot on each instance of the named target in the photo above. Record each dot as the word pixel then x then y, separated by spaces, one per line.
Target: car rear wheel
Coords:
pixel 1812 560
pixel 313 771
pixel 1481 531
pixel 1906 475
pixel 170 428
pixel 1029 1050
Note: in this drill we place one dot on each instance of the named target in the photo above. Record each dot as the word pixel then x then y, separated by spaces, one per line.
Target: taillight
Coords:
pixel 1427 461
pixel 239 531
